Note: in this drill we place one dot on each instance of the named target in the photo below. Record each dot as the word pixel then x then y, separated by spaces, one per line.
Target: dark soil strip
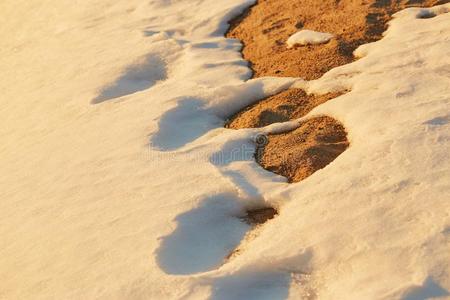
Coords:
pixel 260 216
pixel 254 217
pixel 288 105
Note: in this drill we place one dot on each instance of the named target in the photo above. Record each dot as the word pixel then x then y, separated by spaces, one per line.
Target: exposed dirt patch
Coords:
pixel 288 105
pixel 265 27
pixel 255 218
pixel 299 153
pixel 260 215
pixel 264 30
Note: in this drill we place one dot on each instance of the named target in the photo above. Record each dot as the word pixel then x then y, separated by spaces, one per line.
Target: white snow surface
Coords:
pixel 118 180
pixel 308 37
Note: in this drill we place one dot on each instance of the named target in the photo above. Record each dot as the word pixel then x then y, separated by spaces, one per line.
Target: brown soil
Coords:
pixel 253 217
pixel 299 153
pixel 263 30
pixel 288 105
pixel 265 27
pixel 260 215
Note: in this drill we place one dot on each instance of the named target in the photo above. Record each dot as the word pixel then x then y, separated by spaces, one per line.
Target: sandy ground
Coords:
pixel 287 105
pixel 312 146
pixel 265 27
pixel 263 30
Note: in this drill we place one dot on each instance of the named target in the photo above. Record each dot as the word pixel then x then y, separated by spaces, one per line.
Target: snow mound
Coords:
pixel 308 37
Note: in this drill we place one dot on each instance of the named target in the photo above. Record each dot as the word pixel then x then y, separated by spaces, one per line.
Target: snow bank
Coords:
pixel 308 37
pixel 118 179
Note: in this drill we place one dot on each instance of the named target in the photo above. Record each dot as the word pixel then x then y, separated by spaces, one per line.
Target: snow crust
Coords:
pixel 120 182
pixel 308 37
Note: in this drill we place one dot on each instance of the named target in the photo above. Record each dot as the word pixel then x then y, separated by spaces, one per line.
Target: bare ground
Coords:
pixel 287 105
pixel 260 215
pixel 263 30
pixel 310 147
pixel 265 27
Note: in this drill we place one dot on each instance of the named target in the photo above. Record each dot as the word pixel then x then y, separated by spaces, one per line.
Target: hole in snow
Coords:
pixel 260 215
pixel 425 14
pixel 254 217
pixel 299 153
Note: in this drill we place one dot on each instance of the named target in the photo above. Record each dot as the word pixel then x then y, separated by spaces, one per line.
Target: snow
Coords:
pixel 119 181
pixel 308 37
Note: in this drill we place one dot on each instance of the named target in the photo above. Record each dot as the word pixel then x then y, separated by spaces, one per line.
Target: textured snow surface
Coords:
pixel 308 37
pixel 118 180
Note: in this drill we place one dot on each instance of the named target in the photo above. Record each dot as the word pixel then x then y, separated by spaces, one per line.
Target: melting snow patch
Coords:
pixel 308 37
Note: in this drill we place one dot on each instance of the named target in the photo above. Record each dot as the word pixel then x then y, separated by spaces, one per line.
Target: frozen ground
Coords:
pixel 119 182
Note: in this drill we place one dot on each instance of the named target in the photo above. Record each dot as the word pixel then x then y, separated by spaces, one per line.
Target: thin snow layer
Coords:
pixel 119 181
pixel 308 37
